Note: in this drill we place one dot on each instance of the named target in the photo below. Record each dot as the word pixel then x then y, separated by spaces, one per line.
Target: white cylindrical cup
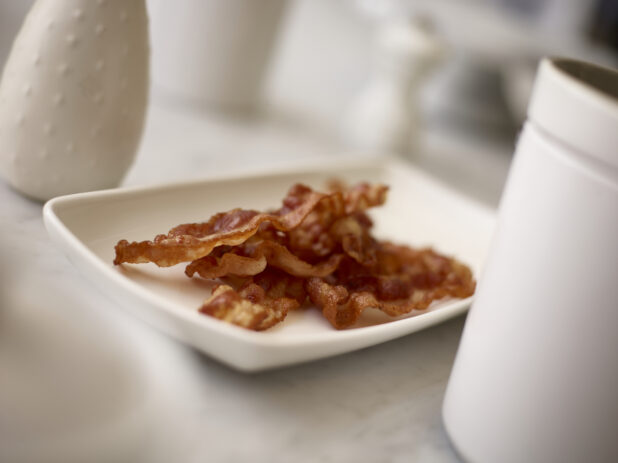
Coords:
pixel 536 374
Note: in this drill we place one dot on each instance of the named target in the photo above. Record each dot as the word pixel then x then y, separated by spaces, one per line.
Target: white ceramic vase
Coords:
pixel 73 96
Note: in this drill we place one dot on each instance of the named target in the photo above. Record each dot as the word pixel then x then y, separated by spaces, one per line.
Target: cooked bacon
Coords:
pixel 258 303
pixel 403 280
pixel 256 255
pixel 228 305
pixel 336 220
pixel 189 242
pixel 252 257
pixel 317 247
pixel 352 232
pixel 364 196
pixel 211 267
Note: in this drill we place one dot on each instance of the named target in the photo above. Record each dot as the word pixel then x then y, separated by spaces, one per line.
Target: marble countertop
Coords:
pixel 83 381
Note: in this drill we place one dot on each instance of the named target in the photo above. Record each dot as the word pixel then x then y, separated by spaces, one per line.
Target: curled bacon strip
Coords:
pixel 405 280
pixel 211 267
pixel 330 222
pixel 260 254
pixel 189 242
pixel 352 232
pixel 259 303
pixel 192 241
pixel 228 305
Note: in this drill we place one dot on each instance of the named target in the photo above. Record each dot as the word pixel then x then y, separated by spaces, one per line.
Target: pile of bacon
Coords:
pixel 316 248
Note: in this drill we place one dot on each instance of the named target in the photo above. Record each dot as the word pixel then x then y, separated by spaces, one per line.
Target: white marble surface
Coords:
pixel 82 381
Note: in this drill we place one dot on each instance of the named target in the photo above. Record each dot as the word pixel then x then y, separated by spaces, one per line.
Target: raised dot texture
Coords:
pixel 78 14
pixel 58 99
pixel 99 29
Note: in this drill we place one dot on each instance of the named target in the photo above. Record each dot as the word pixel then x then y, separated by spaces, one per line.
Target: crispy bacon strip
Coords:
pixel 352 231
pixel 260 254
pixel 259 303
pixel 189 242
pixel 228 305
pixel 211 267
pixel 421 277
pixel 364 196
pixel 192 241
pixel 252 257
pixel 326 227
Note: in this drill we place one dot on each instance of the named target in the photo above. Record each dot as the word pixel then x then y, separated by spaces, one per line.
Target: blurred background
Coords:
pixel 319 56
pixel 449 77
pixel 309 61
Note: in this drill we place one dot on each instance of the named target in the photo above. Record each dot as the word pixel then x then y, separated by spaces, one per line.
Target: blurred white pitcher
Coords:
pixel 212 53
pixel 536 374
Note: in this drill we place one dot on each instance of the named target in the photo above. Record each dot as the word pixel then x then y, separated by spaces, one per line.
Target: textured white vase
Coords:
pixel 73 96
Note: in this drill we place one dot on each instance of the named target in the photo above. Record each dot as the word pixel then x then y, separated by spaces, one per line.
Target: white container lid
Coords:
pixel 577 103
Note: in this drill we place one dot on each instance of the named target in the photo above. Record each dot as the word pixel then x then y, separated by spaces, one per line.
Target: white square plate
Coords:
pixel 419 212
